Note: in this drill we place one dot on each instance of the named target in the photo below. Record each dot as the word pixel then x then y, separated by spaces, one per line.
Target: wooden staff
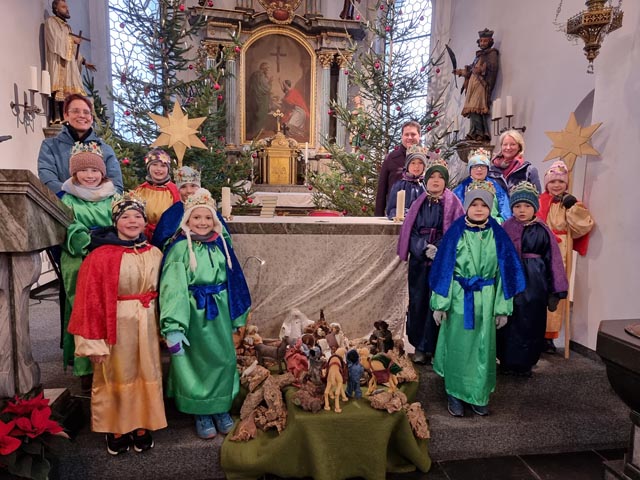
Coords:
pixel 567 304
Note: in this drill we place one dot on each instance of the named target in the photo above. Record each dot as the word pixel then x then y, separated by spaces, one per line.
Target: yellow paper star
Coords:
pixel 572 142
pixel 178 131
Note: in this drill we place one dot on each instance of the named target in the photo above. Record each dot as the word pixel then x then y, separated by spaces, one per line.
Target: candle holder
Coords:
pixel 497 131
pixel 28 106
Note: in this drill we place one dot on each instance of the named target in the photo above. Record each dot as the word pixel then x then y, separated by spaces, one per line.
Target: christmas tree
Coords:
pixel 156 63
pixel 391 81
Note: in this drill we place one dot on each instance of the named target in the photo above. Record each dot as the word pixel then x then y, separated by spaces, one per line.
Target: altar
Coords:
pixel 345 266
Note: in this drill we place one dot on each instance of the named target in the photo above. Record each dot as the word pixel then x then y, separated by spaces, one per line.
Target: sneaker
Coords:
pixel 142 442
pixel 420 358
pixel 118 445
pixel 482 410
pixel 455 406
pixel 224 422
pixel 205 427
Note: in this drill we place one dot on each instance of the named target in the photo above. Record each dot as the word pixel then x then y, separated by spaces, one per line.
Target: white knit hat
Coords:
pixel 201 199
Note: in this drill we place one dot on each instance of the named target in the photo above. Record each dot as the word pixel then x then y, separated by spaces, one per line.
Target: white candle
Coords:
pixel 400 205
pixel 226 202
pixel 456 125
pixel 496 109
pixel 306 152
pixel 45 87
pixel 34 78
pixel 509 107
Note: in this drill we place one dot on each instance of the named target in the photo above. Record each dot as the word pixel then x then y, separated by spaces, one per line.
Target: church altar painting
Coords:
pixel 279 73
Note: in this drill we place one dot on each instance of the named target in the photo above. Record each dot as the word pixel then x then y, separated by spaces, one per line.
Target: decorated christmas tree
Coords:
pixel 156 63
pixel 394 85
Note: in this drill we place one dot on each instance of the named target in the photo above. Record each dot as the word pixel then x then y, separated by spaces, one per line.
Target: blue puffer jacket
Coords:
pixel 53 160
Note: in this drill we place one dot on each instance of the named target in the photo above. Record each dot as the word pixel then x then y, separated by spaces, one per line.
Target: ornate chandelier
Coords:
pixel 592 25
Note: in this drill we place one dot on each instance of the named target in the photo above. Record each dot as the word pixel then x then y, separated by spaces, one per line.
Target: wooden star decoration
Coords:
pixel 178 131
pixel 572 142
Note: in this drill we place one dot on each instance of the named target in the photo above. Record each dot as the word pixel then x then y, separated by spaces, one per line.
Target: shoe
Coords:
pixel 482 410
pixel 455 406
pixel 205 427
pixel 549 346
pixel 420 358
pixel 223 421
pixel 116 446
pixel 142 442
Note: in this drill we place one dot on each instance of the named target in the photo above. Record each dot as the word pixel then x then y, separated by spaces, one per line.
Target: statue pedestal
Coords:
pixel 33 219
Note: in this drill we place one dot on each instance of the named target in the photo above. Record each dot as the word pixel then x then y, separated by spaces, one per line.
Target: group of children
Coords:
pixel 487 269
pixel 124 294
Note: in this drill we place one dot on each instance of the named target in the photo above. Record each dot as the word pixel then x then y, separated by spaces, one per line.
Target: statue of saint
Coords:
pixel 480 78
pixel 64 60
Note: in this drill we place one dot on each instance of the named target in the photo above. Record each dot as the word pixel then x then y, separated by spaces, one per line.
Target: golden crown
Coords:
pixel 482 185
pixel 127 201
pixel 202 198
pixel 89 147
pixel 417 149
pixel 527 187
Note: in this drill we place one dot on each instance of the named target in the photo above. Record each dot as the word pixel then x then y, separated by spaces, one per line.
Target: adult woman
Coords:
pixel 508 168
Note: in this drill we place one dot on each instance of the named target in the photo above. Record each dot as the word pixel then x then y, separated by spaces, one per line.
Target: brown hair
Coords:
pixel 411 123
pixel 76 96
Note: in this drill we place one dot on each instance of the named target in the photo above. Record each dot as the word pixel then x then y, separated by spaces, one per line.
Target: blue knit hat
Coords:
pixel 479 156
pixel 524 192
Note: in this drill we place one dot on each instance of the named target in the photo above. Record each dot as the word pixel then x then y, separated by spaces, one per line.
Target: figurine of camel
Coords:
pixel 335 381
pixel 382 369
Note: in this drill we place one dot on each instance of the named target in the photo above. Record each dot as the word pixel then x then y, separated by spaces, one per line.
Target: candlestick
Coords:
pixel 509 107
pixel 226 202
pixel 45 87
pixel 400 204
pixel 34 78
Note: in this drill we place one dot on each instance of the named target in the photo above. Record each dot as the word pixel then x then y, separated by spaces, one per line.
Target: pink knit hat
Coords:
pixel 557 171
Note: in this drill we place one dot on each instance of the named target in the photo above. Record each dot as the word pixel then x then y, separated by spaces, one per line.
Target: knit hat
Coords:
pixel 416 152
pixel 483 190
pixel 86 155
pixel 201 198
pixel 479 156
pixel 437 165
pixel 184 175
pixel 157 155
pixel 127 201
pixel 524 192
pixel 557 171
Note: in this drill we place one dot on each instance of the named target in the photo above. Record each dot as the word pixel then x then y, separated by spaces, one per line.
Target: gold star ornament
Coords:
pixel 572 142
pixel 178 131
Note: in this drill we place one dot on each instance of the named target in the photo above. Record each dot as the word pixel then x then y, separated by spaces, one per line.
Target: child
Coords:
pixel 159 192
pixel 116 326
pixel 412 181
pixel 88 192
pixel 427 220
pixel 478 164
pixel 203 298
pixel 474 278
pixel 521 341
pixel 187 182
pixel 571 222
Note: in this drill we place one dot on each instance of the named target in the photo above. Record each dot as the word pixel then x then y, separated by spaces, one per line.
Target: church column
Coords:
pixel 231 104
pixel 326 59
pixel 343 81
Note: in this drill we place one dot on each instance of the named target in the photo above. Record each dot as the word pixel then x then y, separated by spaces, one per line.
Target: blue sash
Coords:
pixel 204 296
pixel 470 285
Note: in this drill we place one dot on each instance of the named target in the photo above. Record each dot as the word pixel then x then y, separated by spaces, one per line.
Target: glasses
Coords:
pixel 79 111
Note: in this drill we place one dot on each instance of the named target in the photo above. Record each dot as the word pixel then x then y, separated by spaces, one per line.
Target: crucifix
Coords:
pixel 278 115
pixel 278 54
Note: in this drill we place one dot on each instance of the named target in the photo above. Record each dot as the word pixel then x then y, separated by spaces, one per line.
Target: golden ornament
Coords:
pixel 572 142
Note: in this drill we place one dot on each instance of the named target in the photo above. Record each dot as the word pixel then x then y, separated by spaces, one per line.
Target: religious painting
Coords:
pixel 278 89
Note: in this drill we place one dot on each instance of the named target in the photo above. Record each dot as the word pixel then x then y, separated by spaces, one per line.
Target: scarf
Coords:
pixel 89 194
pixel 508 167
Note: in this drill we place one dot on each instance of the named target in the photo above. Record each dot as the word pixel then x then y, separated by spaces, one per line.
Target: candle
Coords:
pixel 456 125
pixel 226 202
pixel 45 87
pixel 496 109
pixel 400 205
pixel 509 107
pixel 306 152
pixel 34 78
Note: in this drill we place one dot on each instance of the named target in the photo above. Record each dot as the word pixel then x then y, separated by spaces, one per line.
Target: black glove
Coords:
pixel 552 303
pixel 569 201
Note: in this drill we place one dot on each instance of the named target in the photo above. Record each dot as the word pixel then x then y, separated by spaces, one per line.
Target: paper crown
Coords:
pixel 90 147
pixel 202 198
pixel 417 149
pixel 481 185
pixel 157 155
pixel 479 155
pixel 524 187
pixel 185 175
pixel 126 201
pixel 524 192
pixel 479 189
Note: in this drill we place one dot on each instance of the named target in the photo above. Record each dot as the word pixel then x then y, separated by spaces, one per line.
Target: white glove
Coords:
pixel 439 316
pixel 430 251
pixel 501 321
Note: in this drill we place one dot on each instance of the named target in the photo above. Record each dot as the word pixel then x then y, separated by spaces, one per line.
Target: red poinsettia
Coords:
pixel 38 423
pixel 21 406
pixel 8 444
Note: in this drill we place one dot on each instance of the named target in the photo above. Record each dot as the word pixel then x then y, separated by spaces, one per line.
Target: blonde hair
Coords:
pixel 516 135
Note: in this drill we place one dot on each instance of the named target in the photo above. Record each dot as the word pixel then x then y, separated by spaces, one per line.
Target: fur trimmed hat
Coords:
pixel 157 155
pixel 479 156
pixel 201 199
pixel 524 192
pixel 416 152
pixel 127 201
pixel 437 165
pixel 482 190
pixel 184 175
pixel 557 171
pixel 86 155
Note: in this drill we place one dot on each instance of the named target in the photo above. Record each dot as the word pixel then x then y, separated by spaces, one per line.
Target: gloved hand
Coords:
pixel 569 201
pixel 439 316
pixel 430 251
pixel 501 321
pixel 552 302
pixel 175 342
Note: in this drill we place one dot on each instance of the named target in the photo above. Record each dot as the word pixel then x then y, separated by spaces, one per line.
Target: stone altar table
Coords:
pixel 346 266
